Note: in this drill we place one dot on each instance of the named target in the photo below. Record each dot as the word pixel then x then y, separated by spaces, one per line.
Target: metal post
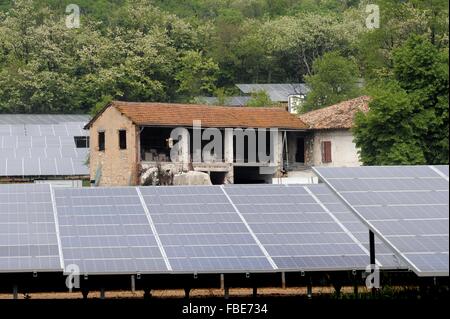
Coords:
pixel 147 293
pixel 133 284
pixel 283 280
pixel 187 292
pixel 309 288
pixel 102 294
pixel 15 292
pixel 222 281
pixel 355 283
pixel 372 255
pixel 85 293
pixel 372 248
pixel 227 292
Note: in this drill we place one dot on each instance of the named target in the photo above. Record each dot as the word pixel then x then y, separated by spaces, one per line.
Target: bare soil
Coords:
pixel 178 293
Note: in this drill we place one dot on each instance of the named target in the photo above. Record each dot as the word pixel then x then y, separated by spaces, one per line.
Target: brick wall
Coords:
pixel 118 167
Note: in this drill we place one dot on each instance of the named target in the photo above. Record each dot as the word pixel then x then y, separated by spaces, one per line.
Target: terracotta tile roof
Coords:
pixel 165 114
pixel 338 116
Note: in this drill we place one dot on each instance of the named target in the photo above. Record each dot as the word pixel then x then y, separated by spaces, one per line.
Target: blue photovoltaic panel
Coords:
pixel 28 237
pixel 201 231
pixel 41 145
pixel 296 230
pixel 106 231
pixel 386 258
pixel 407 207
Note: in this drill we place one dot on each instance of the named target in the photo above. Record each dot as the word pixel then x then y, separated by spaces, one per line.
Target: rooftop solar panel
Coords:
pixel 28 233
pixel 106 231
pixel 44 119
pixel 410 214
pixel 276 92
pixel 202 232
pixel 37 143
pixel 297 230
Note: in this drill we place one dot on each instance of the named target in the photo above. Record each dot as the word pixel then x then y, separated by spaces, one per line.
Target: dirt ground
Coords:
pixel 195 293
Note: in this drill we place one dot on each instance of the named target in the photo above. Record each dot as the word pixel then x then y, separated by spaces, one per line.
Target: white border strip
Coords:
pixel 155 233
pixel 337 221
pixel 263 249
pixel 439 173
pixel 55 214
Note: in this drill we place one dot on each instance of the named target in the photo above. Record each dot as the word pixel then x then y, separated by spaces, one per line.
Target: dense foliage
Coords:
pixel 408 120
pixel 174 50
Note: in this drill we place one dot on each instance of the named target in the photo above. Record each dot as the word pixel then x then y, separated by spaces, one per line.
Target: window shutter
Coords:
pixel 326 152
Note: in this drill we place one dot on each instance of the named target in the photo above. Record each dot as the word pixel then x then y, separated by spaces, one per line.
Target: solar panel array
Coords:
pixel 407 207
pixel 201 231
pixel 276 92
pixel 42 145
pixel 41 119
pixel 295 228
pixel 385 257
pixel 107 231
pixel 229 101
pixel 28 233
pixel 235 228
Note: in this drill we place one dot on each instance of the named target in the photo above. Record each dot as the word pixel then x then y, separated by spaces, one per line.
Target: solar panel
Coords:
pixel 106 231
pixel 41 119
pixel 35 144
pixel 386 258
pixel 28 237
pixel 202 232
pixel 297 230
pixel 276 92
pixel 407 207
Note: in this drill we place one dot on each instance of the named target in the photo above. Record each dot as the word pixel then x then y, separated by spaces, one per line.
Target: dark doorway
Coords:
pixel 250 175
pixel 217 178
pixel 300 154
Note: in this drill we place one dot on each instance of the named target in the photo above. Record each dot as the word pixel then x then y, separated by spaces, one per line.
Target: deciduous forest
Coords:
pixel 176 50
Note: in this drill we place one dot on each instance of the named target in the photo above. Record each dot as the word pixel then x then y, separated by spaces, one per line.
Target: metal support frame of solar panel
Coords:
pixel 28 232
pixel 298 232
pixel 407 207
pixel 385 257
pixel 107 231
pixel 201 231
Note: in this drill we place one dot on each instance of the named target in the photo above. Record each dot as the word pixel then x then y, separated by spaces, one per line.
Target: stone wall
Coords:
pixel 118 167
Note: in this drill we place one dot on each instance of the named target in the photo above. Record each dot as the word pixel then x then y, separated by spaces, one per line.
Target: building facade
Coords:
pixel 128 139
pixel 332 142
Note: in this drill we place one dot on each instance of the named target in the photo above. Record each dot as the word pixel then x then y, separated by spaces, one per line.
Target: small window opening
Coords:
pixel 122 139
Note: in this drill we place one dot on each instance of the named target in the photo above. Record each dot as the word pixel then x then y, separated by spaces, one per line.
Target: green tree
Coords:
pixel 260 99
pixel 334 79
pixel 408 118
pixel 197 75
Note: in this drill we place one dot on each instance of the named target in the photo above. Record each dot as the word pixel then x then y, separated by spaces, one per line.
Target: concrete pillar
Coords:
pixel 278 148
pixel 228 146
pixel 185 151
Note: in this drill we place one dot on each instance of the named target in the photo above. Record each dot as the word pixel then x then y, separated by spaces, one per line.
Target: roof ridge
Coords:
pixel 114 103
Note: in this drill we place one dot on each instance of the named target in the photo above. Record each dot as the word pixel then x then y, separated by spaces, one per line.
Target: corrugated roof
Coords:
pixel 276 92
pixel 338 116
pixel 165 114
pixel 229 101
